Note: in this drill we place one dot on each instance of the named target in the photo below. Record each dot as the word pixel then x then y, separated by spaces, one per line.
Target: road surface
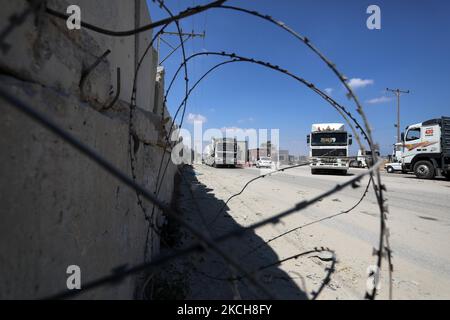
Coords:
pixel 419 223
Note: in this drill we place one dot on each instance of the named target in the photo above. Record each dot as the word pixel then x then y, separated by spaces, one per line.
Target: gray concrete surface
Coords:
pixel 419 222
pixel 57 207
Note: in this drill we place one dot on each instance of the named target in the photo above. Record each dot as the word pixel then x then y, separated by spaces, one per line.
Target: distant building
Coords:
pixel 283 156
pixel 255 154
pixel 266 150
pixel 292 159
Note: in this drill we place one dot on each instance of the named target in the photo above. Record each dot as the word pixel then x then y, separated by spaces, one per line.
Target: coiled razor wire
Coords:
pixel 383 248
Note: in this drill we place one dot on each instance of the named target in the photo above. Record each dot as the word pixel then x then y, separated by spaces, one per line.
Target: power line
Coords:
pixel 398 92
pixel 185 37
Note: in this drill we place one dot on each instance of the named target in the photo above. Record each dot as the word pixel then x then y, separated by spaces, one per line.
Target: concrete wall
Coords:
pixel 58 208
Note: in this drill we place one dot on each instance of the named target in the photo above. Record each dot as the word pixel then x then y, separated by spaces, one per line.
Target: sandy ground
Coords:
pixel 419 222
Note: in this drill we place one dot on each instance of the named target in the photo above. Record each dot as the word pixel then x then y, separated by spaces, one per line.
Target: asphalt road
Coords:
pixel 419 223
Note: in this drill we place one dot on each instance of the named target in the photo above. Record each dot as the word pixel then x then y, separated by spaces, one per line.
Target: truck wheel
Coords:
pixel 390 169
pixel 424 170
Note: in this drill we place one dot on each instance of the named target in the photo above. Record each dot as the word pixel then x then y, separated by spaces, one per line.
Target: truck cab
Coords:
pixel 426 148
pixel 329 148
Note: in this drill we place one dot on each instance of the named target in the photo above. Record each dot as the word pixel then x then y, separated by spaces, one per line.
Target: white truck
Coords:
pixel 226 152
pixel 395 164
pixel 329 147
pixel 364 158
pixel 426 148
pixel 397 152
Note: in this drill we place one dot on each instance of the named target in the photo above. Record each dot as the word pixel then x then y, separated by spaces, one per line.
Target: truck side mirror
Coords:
pixel 350 140
pixel 402 136
pixel 308 139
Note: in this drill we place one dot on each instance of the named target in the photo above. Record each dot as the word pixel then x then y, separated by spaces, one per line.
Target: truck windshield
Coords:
pixel 329 139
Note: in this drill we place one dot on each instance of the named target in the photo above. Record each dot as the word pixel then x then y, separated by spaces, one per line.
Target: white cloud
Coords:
pixel 192 117
pixel 382 99
pixel 356 83
pixel 329 91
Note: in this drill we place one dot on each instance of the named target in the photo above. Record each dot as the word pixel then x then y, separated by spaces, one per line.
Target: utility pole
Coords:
pixel 397 92
pixel 189 35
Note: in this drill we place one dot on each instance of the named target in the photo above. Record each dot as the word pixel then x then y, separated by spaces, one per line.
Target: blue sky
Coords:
pixel 411 51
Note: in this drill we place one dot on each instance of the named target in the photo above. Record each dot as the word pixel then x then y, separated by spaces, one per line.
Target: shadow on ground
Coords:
pixel 205 275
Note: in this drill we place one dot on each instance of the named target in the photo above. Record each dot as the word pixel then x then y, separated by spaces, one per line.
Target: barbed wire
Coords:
pixel 184 103
pixel 312 222
pixel 378 186
pixel 150 218
pixel 184 14
pixel 234 58
pixel 250 182
pixel 314 294
pixel 203 240
pixel 266 242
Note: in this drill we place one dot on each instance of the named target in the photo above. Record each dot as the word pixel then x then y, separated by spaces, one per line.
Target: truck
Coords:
pixel 395 159
pixel 242 153
pixel 329 147
pixel 397 152
pixel 364 158
pixel 426 148
pixel 226 152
